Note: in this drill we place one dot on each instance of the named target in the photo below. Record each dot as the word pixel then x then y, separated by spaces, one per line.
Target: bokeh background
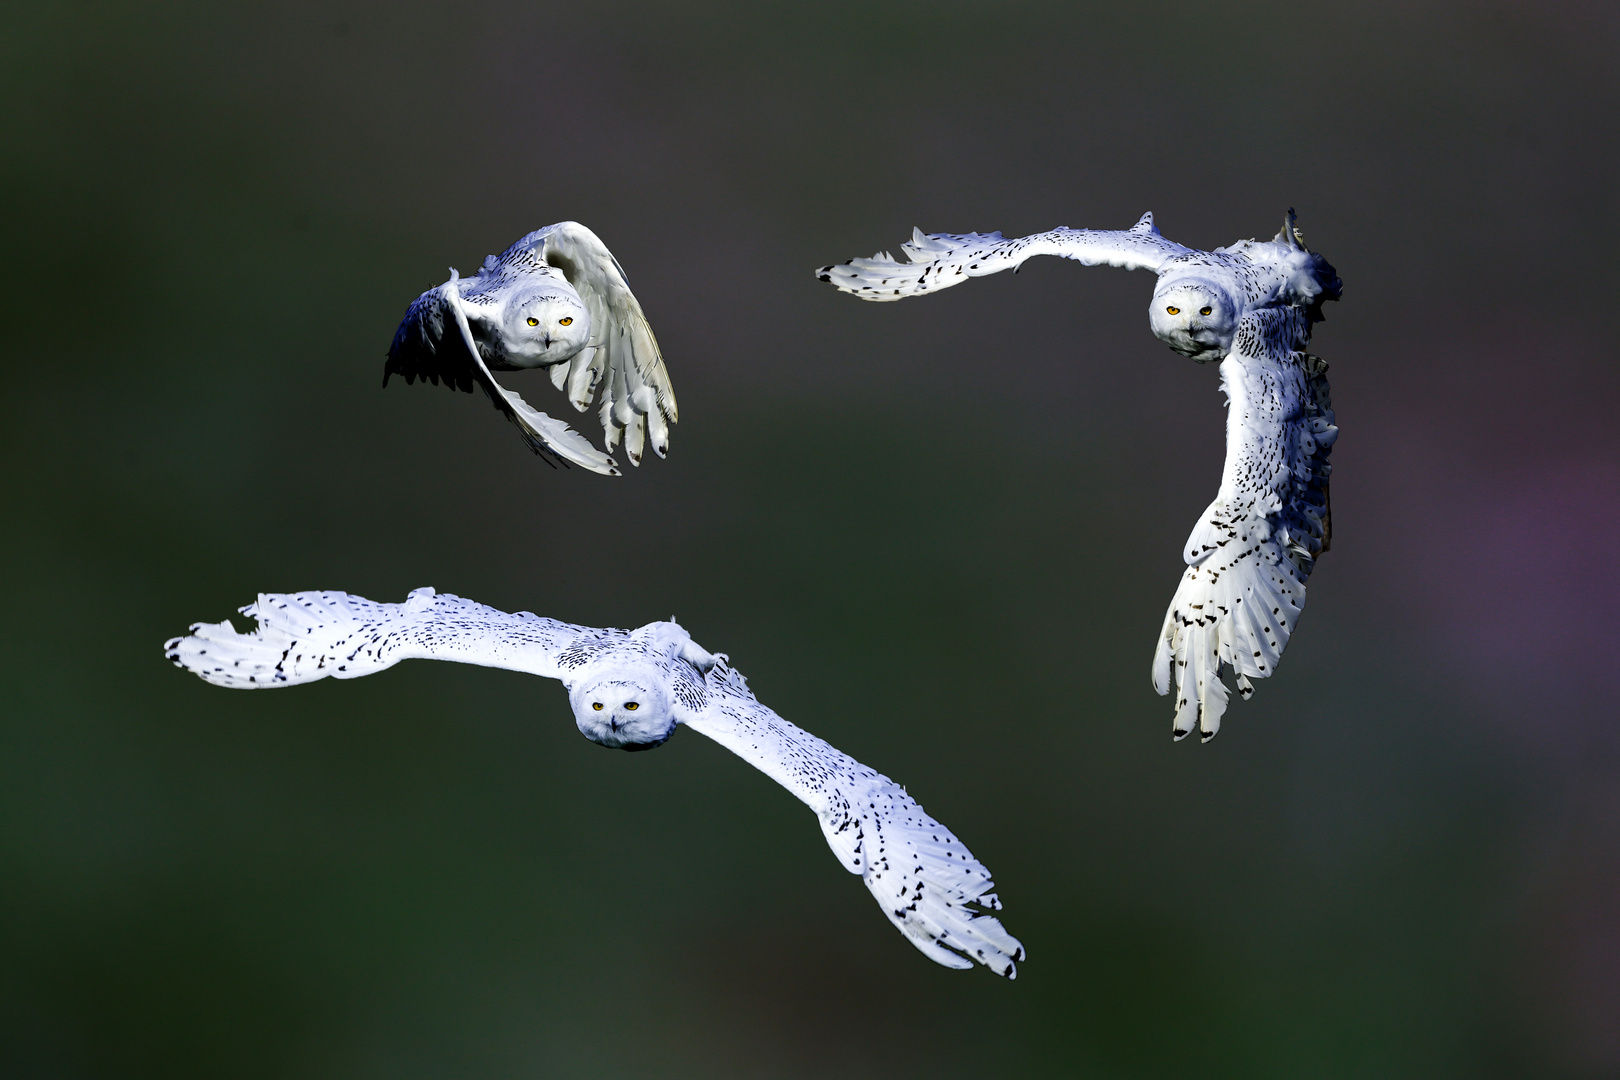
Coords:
pixel 941 534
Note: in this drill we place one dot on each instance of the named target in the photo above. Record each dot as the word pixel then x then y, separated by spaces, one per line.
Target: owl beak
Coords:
pixel 548 341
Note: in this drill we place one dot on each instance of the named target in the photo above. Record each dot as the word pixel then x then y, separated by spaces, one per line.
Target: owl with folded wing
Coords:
pixel 557 299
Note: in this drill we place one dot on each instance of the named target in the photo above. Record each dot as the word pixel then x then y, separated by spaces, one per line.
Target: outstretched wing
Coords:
pixel 1249 555
pixel 435 342
pixel 940 260
pixel 302 637
pixel 638 402
pixel 925 879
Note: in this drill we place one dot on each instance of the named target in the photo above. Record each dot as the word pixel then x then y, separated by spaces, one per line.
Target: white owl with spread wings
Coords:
pixel 556 299
pixel 630 690
pixel 1249 306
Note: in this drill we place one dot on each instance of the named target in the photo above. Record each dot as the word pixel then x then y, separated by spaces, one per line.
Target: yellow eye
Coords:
pixel 569 321
pixel 1173 310
pixel 536 322
pixel 597 705
pixel 1203 311
pixel 632 706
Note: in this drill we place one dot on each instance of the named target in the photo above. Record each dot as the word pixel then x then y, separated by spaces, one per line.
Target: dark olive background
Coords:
pixel 941 534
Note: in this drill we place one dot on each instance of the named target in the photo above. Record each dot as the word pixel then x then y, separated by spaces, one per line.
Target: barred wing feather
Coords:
pixel 302 637
pixel 418 351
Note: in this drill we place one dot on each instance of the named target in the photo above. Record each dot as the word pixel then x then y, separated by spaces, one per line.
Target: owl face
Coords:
pixel 622 711
pixel 1195 318
pixel 544 326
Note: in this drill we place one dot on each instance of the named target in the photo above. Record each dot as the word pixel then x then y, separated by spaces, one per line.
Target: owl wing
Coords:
pixel 925 879
pixel 1251 552
pixel 419 350
pixel 302 637
pixel 940 260
pixel 638 402
pixel 435 343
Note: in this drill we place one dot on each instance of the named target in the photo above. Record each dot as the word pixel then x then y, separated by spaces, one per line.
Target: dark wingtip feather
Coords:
pixel 416 351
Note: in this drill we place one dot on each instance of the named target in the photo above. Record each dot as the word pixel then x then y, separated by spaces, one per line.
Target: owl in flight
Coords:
pixel 1249 306
pixel 630 689
pixel 556 299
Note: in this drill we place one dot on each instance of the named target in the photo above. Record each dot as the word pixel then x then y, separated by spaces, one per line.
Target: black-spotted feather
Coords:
pixel 927 882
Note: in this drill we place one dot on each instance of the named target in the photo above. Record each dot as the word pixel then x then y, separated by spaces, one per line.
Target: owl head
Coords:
pixel 1194 317
pixel 625 710
pixel 544 325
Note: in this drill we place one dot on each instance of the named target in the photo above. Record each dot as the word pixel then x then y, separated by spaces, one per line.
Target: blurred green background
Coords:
pixel 940 534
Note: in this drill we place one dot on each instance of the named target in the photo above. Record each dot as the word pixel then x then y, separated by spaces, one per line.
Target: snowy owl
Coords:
pixel 630 689
pixel 1249 306
pixel 556 299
